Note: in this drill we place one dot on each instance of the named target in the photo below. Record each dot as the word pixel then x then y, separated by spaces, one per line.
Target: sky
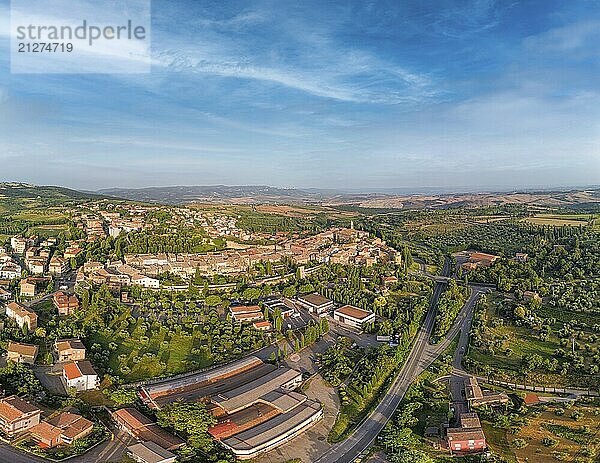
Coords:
pixel 453 95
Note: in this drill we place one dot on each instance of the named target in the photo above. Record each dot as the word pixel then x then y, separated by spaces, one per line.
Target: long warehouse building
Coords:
pixel 255 403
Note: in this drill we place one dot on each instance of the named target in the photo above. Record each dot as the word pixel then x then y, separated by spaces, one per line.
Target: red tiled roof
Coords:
pixel 71 370
pixel 531 398
pixel 222 428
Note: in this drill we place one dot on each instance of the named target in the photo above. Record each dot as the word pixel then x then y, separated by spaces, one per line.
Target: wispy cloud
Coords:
pixel 324 94
pixel 568 38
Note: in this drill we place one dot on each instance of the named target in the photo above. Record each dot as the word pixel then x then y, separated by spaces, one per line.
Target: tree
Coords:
pixel 520 312
pixel 191 419
pixel 122 396
pixel 277 319
pixel 289 291
pixel 410 456
pixel 16 378
pixel 251 294
pixel 213 301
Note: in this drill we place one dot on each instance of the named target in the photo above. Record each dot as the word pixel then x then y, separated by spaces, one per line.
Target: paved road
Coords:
pixel 10 454
pixel 348 450
pixel 420 358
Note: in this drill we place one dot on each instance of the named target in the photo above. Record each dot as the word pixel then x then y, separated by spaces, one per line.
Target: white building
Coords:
pixel 18 244
pixel 145 281
pixel 36 265
pixel 80 375
pixel 10 270
pixel 58 266
pixel 316 303
pixel 353 316
pixel 22 315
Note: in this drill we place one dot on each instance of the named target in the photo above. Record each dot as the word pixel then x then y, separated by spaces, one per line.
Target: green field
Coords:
pixel 558 220
pixel 505 345
pixel 145 353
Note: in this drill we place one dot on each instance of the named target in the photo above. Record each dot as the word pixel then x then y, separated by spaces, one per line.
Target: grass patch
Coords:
pixel 559 220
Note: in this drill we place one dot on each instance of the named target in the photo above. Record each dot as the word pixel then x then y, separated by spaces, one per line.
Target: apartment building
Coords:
pixel 21 353
pixel 22 315
pixel 17 415
pixel 80 375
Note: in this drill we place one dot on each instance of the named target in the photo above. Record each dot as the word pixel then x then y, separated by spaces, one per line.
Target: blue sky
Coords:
pixel 454 95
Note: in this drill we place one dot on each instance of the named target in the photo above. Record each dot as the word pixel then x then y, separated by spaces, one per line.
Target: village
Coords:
pixel 38 270
pixel 256 400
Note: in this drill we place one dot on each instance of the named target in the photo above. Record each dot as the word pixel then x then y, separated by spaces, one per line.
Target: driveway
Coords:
pixel 51 377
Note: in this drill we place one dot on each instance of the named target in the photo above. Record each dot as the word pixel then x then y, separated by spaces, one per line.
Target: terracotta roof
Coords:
pixel 478 256
pixel 222 428
pixel 21 310
pixel 464 434
pixel 13 407
pixel 71 371
pixel 144 428
pixel 247 316
pixel 470 420
pixel 262 324
pixel 354 312
pixel 64 344
pixel 240 309
pixel 71 424
pixel 45 431
pixel 531 398
pixel 61 299
pixel 132 418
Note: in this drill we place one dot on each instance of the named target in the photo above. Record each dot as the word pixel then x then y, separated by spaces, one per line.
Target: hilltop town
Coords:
pixel 203 333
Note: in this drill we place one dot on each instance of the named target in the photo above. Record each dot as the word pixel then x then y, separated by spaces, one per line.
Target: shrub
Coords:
pixel 519 443
pixel 549 442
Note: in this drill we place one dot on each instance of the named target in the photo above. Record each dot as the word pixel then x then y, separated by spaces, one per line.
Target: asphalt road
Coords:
pixel 421 356
pixel 348 450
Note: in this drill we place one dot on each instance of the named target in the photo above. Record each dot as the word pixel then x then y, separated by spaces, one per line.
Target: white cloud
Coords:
pixel 567 38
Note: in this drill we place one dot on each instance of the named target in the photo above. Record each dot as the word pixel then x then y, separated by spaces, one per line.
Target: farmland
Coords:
pixel 556 432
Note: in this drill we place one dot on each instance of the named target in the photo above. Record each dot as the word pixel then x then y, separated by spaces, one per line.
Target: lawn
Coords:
pixel 147 353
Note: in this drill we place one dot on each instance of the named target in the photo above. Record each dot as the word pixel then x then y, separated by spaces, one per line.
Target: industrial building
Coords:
pixel 255 403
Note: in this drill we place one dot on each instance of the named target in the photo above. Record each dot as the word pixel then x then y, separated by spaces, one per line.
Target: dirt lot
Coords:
pixel 311 444
pixel 569 436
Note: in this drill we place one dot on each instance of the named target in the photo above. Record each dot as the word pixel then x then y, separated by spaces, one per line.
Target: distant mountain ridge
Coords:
pixel 263 194
pixel 216 193
pixel 28 190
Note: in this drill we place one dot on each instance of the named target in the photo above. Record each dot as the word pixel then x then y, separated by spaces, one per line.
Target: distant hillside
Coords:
pixel 221 194
pixel 20 196
pixel 553 199
pixel 243 194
